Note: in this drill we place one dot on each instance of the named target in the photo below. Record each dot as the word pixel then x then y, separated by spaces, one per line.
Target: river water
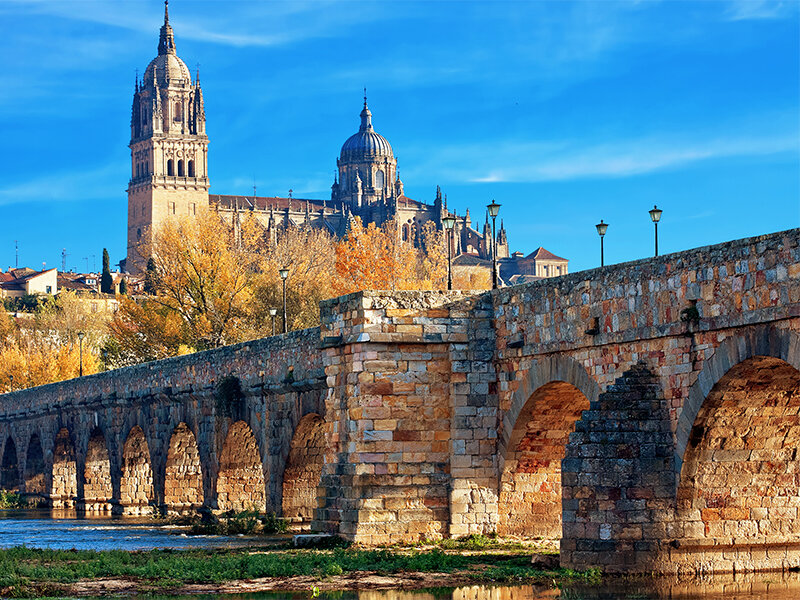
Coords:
pixel 65 530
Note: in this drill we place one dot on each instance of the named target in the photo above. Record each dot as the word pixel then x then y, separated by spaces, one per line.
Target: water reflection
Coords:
pixel 65 529
pixel 766 586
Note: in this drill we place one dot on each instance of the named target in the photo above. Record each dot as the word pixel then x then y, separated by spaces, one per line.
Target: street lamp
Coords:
pixel 11 377
pixel 81 335
pixel 655 215
pixel 494 208
pixel 449 222
pixel 272 313
pixel 284 273
pixel 601 231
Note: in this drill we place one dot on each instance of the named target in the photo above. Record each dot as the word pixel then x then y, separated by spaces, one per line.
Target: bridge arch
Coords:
pixel 9 468
pixel 240 482
pixel 183 473
pixel 136 484
pixel 64 482
pixel 761 341
pixel 536 428
pixel 34 476
pixel 303 472
pixel 740 465
pixel 98 490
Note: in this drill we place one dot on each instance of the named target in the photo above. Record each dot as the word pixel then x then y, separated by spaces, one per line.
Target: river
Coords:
pixel 65 530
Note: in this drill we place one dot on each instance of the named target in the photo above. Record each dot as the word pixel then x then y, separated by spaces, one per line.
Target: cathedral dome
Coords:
pixel 367 142
pixel 169 69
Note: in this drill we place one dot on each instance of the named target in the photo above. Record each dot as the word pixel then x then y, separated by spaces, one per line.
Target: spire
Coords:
pixel 166 41
pixel 366 116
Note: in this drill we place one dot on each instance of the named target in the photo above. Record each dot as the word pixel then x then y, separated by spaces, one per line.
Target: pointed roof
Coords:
pixel 542 254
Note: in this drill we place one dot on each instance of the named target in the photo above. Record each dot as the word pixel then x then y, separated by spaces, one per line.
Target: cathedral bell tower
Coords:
pixel 169 149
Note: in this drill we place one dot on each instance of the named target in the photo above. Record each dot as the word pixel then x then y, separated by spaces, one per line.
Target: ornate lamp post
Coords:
pixel 449 222
pixel 601 231
pixel 272 313
pixel 494 208
pixel 81 335
pixel 655 215
pixel 284 273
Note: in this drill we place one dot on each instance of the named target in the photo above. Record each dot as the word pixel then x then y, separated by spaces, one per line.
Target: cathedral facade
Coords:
pixel 169 179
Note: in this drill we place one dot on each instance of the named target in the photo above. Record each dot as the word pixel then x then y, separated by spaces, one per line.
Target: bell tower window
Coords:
pixel 178 111
pixel 170 168
pixel 180 168
pixel 191 168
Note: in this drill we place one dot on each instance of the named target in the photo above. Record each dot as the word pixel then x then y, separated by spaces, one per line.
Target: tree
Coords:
pixel 123 287
pixel 375 258
pixel 150 277
pixel 44 349
pixel 141 332
pixel 199 277
pixel 106 281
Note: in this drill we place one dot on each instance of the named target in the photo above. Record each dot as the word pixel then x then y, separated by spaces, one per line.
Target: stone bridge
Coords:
pixel 647 414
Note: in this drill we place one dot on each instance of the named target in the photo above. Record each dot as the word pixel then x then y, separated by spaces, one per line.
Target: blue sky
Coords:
pixel 564 112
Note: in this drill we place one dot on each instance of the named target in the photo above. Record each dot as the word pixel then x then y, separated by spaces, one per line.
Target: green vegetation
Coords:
pixel 233 523
pixel 29 572
pixel 106 280
pixel 12 500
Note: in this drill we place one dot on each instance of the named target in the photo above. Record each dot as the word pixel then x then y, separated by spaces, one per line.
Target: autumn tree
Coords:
pixel 43 347
pixel 308 254
pixel 199 277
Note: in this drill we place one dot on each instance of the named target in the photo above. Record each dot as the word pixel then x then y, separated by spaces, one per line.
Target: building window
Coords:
pixel 138 234
pixel 178 111
pixel 180 168
pixel 94 307
pixel 170 167
pixel 172 208
pixel 191 168
pixel 193 209
pixel 380 179
pixel 48 289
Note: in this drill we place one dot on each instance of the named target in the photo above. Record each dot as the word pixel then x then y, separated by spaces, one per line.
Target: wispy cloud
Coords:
pixel 745 10
pixel 93 184
pixel 524 162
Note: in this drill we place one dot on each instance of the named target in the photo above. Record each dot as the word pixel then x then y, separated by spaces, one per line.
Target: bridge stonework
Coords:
pixel 647 414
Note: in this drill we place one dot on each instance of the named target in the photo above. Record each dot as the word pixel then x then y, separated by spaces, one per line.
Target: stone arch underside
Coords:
pixel 240 483
pixel 529 502
pixel 97 487
pixel 64 484
pixel 34 467
pixel 9 473
pixel 740 477
pixel 183 483
pixel 303 471
pixel 136 485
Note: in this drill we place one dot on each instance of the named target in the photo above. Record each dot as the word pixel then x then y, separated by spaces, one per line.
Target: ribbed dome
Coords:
pixel 366 143
pixel 167 65
pixel 169 68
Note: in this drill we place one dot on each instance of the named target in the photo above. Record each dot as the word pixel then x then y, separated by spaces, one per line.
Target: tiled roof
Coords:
pixel 272 202
pixel 542 254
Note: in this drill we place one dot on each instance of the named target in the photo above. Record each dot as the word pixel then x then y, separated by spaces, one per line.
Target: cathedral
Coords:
pixel 169 178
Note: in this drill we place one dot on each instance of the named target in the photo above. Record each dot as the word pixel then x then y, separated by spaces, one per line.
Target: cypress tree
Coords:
pixel 150 276
pixel 106 281
pixel 123 287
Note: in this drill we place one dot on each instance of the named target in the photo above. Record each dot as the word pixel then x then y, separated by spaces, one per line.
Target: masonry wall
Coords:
pixel 279 380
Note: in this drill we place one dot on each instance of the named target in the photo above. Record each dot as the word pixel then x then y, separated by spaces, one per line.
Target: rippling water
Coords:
pixel 60 530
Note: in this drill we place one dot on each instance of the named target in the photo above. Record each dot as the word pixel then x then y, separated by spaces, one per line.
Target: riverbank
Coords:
pixel 26 572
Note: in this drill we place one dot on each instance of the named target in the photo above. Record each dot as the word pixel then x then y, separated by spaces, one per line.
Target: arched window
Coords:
pixel 191 168
pixel 405 232
pixel 180 168
pixel 170 167
pixel 380 179
pixel 138 169
pixel 178 111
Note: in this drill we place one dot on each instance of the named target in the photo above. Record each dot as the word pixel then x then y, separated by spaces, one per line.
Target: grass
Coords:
pixel 31 572
pixel 233 523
